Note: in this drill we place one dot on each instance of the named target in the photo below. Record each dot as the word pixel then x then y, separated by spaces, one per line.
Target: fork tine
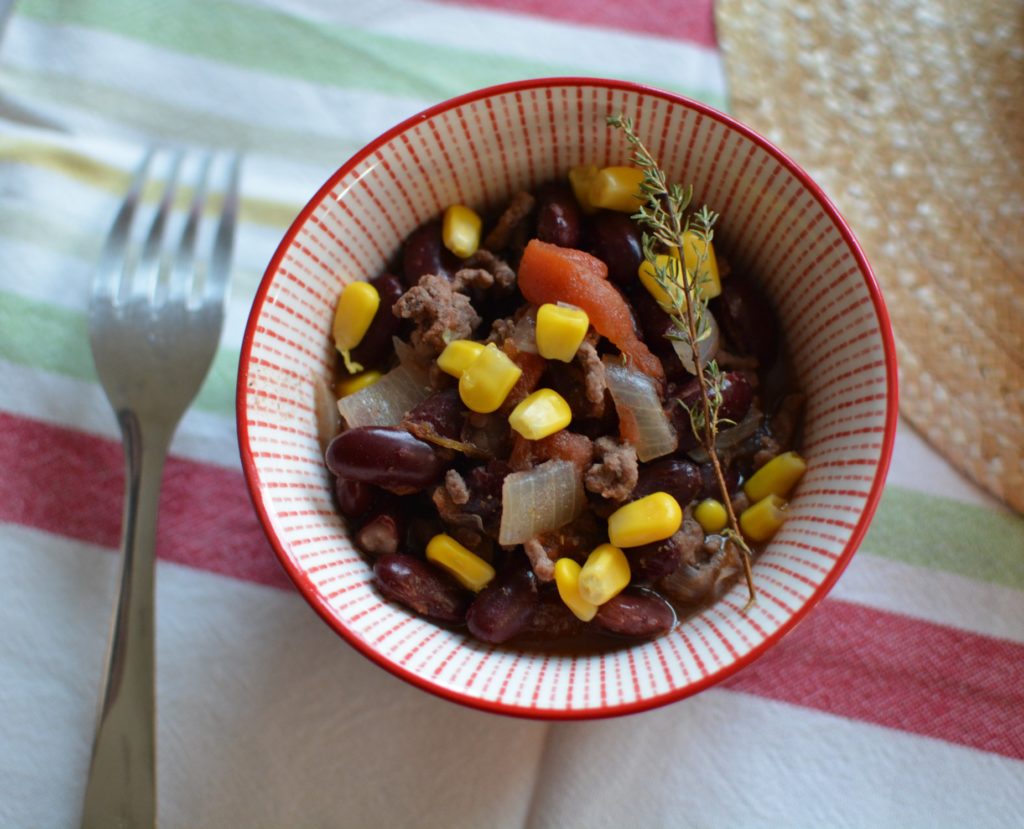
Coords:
pixel 223 243
pixel 183 272
pixel 142 281
pixel 112 263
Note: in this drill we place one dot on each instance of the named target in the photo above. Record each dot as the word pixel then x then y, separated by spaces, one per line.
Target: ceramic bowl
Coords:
pixel 477 149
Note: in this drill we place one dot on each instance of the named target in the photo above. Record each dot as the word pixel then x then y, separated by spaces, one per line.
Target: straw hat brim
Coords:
pixel 909 114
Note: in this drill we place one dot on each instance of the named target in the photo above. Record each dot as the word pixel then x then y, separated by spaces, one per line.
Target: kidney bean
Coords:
pixel 442 413
pixel 614 238
pixel 558 216
pixel 680 479
pixel 737 395
pixel 485 486
pixel 679 398
pixel 746 316
pixel 651 562
pixel 637 613
pixel 504 607
pixel 552 620
pixel 386 457
pixel 384 529
pixel 354 497
pixel 425 253
pixel 419 586
pixel 710 487
pixel 375 348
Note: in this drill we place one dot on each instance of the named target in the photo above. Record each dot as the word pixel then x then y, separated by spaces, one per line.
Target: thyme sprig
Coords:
pixel 666 222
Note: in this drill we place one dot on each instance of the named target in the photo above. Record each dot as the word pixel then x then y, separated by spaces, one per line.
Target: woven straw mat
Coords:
pixel 909 115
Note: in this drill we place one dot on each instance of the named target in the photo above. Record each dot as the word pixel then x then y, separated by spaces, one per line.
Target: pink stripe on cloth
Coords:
pixel 70 483
pixel 899 672
pixel 692 21
pixel 845 659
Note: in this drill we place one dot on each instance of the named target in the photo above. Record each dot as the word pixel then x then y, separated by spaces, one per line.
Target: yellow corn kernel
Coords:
pixel 356 308
pixel 486 382
pixel 460 230
pixel 652 518
pixel 709 283
pixel 777 477
pixel 467 567
pixel 762 520
pixel 457 356
pixel 560 330
pixel 604 575
pixel 541 414
pixel 711 515
pixel 646 273
pixel 617 188
pixel 580 179
pixel 567 580
pixel 357 382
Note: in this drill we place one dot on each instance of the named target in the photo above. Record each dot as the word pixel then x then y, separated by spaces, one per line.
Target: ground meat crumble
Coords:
pixel 440 313
pixel 615 470
pixel 502 275
pixel 518 209
pixel 594 378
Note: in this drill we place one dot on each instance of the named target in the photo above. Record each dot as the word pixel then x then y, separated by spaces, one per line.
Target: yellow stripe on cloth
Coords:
pixel 94 173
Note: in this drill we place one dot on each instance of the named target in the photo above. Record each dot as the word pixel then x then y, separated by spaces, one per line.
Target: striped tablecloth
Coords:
pixel 898 702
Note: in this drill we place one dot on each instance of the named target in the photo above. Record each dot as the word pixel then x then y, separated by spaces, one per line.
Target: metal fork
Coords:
pixel 154 322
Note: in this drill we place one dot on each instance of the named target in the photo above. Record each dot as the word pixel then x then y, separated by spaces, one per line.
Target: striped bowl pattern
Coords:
pixel 478 149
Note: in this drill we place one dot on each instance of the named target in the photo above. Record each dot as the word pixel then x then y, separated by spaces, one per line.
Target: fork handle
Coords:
pixel 121 790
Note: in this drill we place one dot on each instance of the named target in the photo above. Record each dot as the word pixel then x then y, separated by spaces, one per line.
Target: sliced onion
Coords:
pixel 414 364
pixel 386 402
pixel 327 421
pixel 708 346
pixel 637 400
pixel 545 498
pixel 733 436
pixel 525 333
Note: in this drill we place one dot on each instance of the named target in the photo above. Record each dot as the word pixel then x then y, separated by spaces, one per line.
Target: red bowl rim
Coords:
pixel 318 603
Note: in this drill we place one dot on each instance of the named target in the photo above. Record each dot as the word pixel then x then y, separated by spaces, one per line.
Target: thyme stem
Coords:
pixel 663 216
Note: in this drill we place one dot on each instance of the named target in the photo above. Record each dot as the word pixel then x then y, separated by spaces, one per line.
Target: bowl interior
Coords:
pixel 478 150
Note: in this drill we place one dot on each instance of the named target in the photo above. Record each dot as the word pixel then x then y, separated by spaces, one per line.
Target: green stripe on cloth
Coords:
pixel 931 531
pixel 48 338
pixel 270 41
pixel 923 530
